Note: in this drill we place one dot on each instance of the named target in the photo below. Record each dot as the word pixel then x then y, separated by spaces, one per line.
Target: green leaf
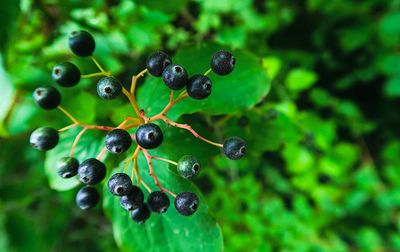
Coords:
pixel 169 231
pixel 389 28
pixel 300 79
pixel 7 91
pixel 392 87
pixel 273 65
pixel 89 146
pixel 3 233
pixel 240 90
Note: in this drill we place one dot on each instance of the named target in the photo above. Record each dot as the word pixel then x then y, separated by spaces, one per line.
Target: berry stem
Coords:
pixel 189 128
pixel 67 127
pixel 68 115
pixel 92 75
pixel 101 154
pixel 75 143
pixel 132 100
pixel 129 160
pixel 171 103
pixel 145 186
pixel 208 71
pixel 135 78
pixel 100 67
pixel 164 160
pixel 96 127
pixel 136 168
pixel 150 165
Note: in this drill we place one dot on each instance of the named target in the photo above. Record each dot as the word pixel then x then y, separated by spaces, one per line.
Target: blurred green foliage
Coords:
pixel 322 172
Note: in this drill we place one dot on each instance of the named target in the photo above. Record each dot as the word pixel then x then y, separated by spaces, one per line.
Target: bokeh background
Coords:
pixel 323 173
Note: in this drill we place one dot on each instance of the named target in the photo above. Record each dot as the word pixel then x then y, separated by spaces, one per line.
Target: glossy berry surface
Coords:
pixel 188 166
pixel 44 138
pixel 81 43
pixel 133 200
pixel 234 148
pixel 108 88
pixel 199 87
pixel 118 141
pixel 157 62
pixel 47 97
pixel 141 214
pixel 91 171
pixel 66 74
pixel 149 136
pixel 223 62
pixel 175 77
pixel 87 197
pixel 119 184
pixel 158 202
pixel 67 167
pixel 186 203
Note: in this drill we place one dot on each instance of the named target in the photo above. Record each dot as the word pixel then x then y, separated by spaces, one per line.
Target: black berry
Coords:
pixel 186 203
pixel 67 167
pixel 199 87
pixel 87 197
pixel 133 200
pixel 158 202
pixel 149 136
pixel 175 77
pixel 118 141
pixel 234 148
pixel 157 62
pixel 81 43
pixel 188 166
pixel 66 74
pixel 91 171
pixel 44 138
pixel 222 62
pixel 140 214
pixel 108 88
pixel 119 184
pixel 47 97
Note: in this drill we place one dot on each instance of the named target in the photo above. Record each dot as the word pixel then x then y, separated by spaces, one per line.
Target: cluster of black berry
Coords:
pixel 118 140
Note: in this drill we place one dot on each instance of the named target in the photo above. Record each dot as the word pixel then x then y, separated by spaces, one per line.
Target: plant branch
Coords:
pixel 152 174
pixel 135 78
pixel 164 160
pixel 75 143
pixel 190 129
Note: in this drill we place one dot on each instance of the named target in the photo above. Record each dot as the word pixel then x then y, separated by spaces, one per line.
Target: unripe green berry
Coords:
pixel 188 166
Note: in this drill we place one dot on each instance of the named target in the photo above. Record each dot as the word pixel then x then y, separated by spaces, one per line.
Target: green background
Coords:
pixel 316 94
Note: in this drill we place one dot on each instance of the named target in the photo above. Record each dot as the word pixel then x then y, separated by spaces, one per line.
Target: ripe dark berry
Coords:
pixel 81 43
pixel 188 166
pixel 175 77
pixel 67 167
pixel 66 74
pixel 199 87
pixel 186 203
pixel 222 62
pixel 47 97
pixel 87 197
pixel 120 184
pixel 133 200
pixel 44 138
pixel 118 141
pixel 91 171
pixel 234 148
pixel 149 136
pixel 158 202
pixel 140 214
pixel 108 88
pixel 157 62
